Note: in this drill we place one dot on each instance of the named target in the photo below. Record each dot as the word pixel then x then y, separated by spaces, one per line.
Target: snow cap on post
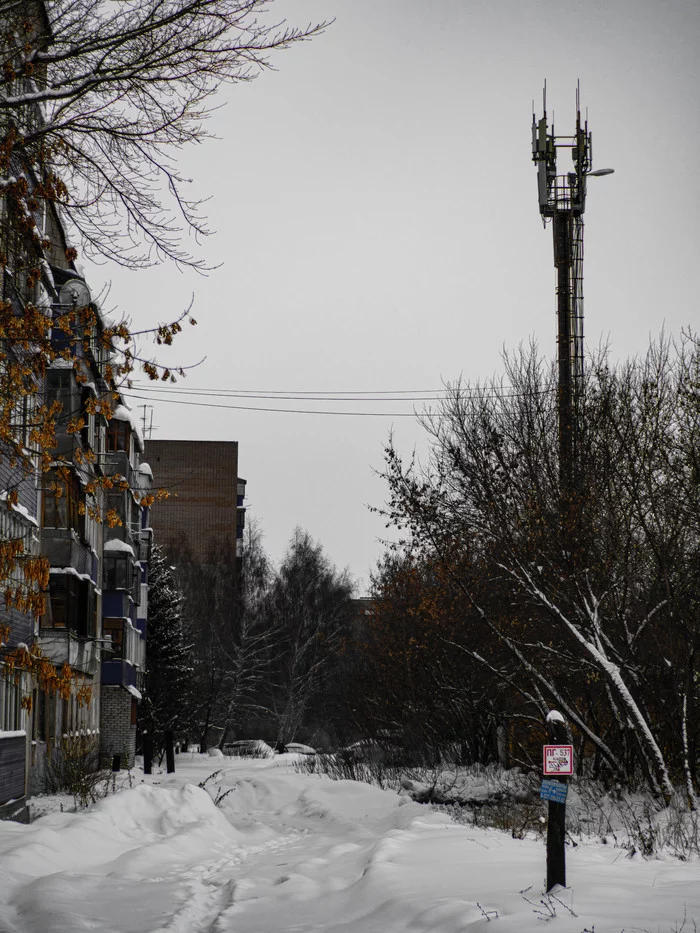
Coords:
pixel 556 727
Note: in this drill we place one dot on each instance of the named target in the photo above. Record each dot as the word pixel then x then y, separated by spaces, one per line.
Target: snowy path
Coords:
pixel 290 852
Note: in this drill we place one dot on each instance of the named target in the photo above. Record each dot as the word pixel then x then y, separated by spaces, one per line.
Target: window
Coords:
pixel 117 571
pixel 61 387
pixel 87 433
pixel 121 573
pixel 46 713
pixel 118 435
pixel 73 605
pixel 114 629
pixel 61 502
pixel 10 701
pixel 64 591
pixel 100 436
pixel 40 717
pixel 86 623
pixel 22 415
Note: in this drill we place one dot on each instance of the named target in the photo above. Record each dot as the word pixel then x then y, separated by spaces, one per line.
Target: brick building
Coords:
pixel 202 521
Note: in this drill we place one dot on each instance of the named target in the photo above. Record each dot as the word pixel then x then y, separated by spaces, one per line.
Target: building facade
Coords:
pixel 74 525
pixel 201 521
pixel 125 588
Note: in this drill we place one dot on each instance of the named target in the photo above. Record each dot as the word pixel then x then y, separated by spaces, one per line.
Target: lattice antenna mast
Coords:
pixel 562 200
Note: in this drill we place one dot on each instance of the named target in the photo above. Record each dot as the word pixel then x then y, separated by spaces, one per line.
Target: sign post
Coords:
pixel 557 766
pixel 169 752
pixel 147 752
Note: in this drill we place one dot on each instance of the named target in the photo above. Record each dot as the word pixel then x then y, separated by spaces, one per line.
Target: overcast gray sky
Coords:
pixel 377 228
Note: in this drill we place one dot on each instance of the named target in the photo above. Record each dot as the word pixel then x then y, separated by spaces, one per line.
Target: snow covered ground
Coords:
pixel 295 852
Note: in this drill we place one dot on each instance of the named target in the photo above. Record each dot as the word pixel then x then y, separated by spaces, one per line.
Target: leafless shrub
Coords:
pixel 346 765
pixel 638 822
pixel 72 767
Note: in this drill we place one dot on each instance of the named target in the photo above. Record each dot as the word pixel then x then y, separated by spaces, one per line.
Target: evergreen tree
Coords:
pixel 167 699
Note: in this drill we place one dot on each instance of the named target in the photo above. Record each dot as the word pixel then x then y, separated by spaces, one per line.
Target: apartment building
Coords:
pixel 96 535
pixel 201 523
pixel 126 557
pixel 199 519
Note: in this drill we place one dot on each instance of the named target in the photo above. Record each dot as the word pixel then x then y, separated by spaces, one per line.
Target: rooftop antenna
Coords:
pixel 562 201
pixel 147 423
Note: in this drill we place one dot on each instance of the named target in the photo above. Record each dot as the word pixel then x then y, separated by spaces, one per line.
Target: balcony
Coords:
pixel 118 604
pixel 63 646
pixel 125 643
pixel 64 548
pixel 117 672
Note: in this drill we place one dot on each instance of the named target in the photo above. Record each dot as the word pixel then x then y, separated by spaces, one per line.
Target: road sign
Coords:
pixel 558 760
pixel 554 790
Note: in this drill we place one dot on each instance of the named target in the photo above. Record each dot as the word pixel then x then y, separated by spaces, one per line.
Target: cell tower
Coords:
pixel 562 200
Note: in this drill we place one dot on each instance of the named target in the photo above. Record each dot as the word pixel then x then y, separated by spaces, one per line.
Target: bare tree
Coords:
pixel 309 606
pixel 207 583
pixel 409 683
pixel 232 636
pixel 250 649
pixel 597 604
pixel 98 98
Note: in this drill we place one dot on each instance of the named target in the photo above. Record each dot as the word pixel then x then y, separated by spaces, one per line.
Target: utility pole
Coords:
pixel 562 201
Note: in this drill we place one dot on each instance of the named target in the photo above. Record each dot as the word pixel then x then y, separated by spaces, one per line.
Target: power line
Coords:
pixel 291 411
pixel 133 394
pixel 293 393
pixel 284 397
pixel 356 396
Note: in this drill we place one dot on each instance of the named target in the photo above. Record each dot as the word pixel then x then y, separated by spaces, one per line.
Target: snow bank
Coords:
pixel 288 851
pixel 109 860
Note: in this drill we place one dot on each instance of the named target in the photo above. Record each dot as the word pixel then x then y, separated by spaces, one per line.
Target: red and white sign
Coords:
pixel 558 759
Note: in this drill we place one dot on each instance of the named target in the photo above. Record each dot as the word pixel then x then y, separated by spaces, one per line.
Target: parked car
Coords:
pixel 299 749
pixel 248 748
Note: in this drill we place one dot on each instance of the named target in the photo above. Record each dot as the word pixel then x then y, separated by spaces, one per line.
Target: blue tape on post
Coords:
pixel 553 790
